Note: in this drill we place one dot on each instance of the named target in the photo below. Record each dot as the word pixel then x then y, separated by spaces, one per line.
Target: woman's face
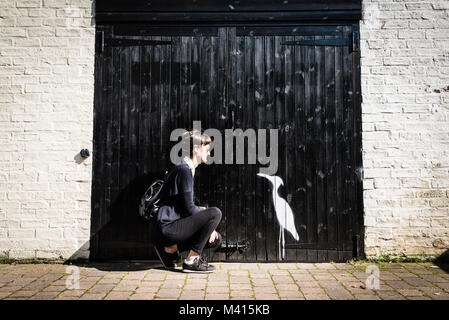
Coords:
pixel 203 152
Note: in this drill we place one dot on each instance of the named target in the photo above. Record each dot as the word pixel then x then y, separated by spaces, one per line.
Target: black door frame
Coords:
pixel 339 15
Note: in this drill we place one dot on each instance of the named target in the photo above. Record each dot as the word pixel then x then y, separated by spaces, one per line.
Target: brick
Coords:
pixel 28 3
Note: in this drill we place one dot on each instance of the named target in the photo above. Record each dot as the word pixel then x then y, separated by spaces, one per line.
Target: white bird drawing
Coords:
pixel 284 213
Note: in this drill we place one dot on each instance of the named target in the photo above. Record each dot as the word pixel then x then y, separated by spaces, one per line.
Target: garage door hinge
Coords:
pixel 355 41
pixel 101 42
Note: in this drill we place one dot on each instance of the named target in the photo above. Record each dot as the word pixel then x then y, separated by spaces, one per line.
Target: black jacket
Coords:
pixel 177 196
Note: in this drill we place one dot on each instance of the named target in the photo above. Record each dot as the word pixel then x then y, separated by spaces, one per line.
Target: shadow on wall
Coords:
pixel 443 261
pixel 120 233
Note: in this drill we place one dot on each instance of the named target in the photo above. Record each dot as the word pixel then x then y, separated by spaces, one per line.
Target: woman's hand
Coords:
pixel 213 236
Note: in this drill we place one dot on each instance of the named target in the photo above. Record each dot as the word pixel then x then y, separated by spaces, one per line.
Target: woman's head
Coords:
pixel 199 145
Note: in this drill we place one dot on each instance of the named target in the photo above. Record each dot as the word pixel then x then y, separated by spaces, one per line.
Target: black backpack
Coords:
pixel 151 201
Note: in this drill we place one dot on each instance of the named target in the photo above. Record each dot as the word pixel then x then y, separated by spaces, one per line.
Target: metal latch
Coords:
pixel 239 246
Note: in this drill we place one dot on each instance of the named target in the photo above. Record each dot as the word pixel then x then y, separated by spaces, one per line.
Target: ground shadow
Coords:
pixel 120 233
pixel 443 261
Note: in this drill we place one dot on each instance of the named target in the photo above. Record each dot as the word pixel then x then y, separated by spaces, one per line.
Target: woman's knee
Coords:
pixel 215 213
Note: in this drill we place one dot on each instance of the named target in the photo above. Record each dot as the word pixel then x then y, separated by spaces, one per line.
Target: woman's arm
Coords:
pixel 187 203
pixel 185 188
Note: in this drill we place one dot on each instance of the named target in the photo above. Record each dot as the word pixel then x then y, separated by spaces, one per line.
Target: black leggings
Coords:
pixel 193 232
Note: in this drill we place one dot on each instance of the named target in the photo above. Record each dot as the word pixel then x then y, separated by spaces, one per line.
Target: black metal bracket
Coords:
pixel 339 42
pixel 135 42
pixel 230 248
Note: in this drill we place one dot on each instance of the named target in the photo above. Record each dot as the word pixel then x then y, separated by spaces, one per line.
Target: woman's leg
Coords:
pixel 185 246
pixel 196 229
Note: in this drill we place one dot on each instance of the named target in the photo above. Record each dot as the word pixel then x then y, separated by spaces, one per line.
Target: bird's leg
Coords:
pixel 283 245
pixel 280 237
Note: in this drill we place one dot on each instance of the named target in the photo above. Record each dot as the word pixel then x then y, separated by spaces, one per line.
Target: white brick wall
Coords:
pixel 405 115
pixel 46 103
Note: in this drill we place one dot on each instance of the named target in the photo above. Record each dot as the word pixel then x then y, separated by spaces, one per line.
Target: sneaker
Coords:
pixel 199 265
pixel 168 260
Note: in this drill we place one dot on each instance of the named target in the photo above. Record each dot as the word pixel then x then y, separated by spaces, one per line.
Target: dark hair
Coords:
pixel 195 137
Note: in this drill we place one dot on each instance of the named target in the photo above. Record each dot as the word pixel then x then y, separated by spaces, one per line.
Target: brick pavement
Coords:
pixel 242 281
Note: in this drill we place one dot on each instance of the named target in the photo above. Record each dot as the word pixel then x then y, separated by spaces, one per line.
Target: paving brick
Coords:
pixel 155 284
pixel 71 293
pixel 22 293
pixel 92 296
pixel 308 284
pixel 152 276
pixel 287 266
pixel 237 273
pixel 399 284
pixel 101 288
pixel 214 289
pixel 217 277
pixel 239 279
pixel 54 288
pixel 192 295
pixel 118 296
pixel 176 284
pixel 390 295
pixel 216 296
pixel 410 292
pixel 418 298
pixel 283 286
pixel 443 285
pixel 267 296
pixel 313 296
pixel 366 297
pixel 146 289
pixel 262 282
pixel 141 296
pixel 285 294
pixel 339 294
pixel 218 283
pixel 10 289
pixel 330 284
pixel 44 296
pixel 168 293
pixel 306 266
pixel 249 266
pixel 262 290
pixel 198 286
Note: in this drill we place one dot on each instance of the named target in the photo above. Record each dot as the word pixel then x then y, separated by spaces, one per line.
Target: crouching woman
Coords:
pixel 183 225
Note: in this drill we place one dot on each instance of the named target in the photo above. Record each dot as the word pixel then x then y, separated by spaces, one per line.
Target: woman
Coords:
pixel 183 225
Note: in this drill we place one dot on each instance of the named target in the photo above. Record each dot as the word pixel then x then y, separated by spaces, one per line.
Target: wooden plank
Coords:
pixel 276 71
pixel 98 139
pixel 330 142
pixel 248 120
pixel 339 145
pixel 232 193
pixel 195 78
pixel 219 119
pixel 300 140
pixel 287 140
pixel 319 128
pixel 268 109
pixel 165 88
pixel 357 155
pixel 347 133
pixel 310 172
pixel 263 193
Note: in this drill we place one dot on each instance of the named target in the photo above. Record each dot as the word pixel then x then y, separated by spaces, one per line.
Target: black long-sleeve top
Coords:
pixel 177 196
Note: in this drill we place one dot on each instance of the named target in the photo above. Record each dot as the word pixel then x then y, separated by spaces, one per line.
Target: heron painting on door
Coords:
pixel 284 213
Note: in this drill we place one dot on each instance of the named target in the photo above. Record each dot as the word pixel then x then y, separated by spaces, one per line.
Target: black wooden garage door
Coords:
pixel 302 80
